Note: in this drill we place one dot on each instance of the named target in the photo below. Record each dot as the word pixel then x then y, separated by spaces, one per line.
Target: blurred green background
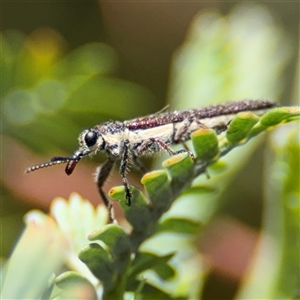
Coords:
pixel 66 66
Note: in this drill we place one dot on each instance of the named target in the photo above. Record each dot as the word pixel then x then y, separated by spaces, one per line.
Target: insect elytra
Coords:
pixel 129 140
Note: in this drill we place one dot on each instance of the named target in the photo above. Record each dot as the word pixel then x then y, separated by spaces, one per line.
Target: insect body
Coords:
pixel 127 141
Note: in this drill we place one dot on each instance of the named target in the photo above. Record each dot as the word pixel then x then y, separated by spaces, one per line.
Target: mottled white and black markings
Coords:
pixel 127 141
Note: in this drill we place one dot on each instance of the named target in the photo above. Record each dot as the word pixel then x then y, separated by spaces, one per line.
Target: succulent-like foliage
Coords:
pixel 115 257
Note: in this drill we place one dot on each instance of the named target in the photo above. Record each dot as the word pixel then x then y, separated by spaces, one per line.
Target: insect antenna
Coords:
pixel 71 163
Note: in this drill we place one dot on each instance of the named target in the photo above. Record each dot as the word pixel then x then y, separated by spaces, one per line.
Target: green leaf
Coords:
pixel 74 284
pixel 205 142
pixel 240 127
pixel 275 117
pixel 48 291
pixel 249 125
pixel 114 237
pixel 180 168
pixel 138 214
pixel 158 188
pixel 146 260
pixel 179 225
pixel 279 115
pixel 150 292
pixel 164 271
pixel 99 262
pixel 118 245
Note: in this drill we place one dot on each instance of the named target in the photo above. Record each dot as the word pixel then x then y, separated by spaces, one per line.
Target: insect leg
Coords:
pixel 101 176
pixel 220 128
pixel 183 132
pixel 146 145
pixel 123 170
pixel 186 147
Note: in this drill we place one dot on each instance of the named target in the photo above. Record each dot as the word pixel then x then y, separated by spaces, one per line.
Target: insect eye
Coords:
pixel 91 138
